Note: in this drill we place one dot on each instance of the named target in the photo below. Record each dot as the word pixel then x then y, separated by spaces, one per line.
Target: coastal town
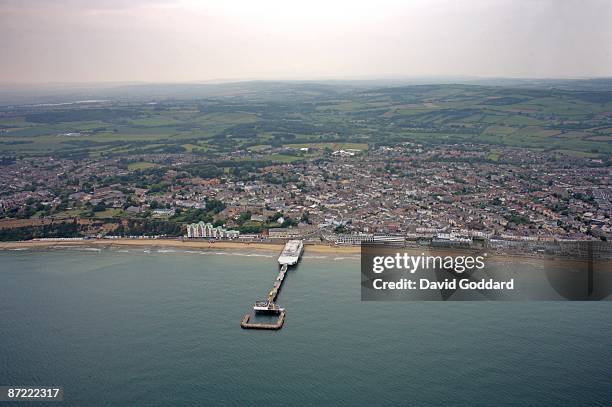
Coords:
pixel 439 194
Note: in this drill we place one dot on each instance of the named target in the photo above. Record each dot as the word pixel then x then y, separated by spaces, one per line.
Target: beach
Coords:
pixel 509 258
pixel 188 244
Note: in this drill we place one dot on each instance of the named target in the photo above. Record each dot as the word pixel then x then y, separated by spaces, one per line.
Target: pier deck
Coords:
pixel 245 324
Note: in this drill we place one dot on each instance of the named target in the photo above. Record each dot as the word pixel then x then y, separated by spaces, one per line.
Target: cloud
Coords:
pixel 79 4
pixel 108 40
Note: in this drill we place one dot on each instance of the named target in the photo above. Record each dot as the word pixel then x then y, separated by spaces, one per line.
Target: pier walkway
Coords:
pixel 289 256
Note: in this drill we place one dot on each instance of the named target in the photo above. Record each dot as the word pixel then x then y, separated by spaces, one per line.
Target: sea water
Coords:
pixel 162 327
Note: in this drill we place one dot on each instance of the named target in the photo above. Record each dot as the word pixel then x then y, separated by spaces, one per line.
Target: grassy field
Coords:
pixel 109 213
pixel 140 165
pixel 283 158
pixel 330 117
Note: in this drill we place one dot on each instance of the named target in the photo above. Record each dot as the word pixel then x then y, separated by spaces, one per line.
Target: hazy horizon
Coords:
pixel 457 79
pixel 182 41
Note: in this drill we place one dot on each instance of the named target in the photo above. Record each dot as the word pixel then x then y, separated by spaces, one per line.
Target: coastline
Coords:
pixel 189 244
pixel 233 245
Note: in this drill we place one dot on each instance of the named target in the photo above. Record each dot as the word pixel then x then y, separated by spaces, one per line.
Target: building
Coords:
pixel 163 212
pixel 389 239
pixel 208 231
pixel 258 218
pixel 284 233
pixel 343 153
pixel 451 239
pixel 352 238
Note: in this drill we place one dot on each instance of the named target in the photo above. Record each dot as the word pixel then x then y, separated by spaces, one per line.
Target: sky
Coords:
pixel 188 40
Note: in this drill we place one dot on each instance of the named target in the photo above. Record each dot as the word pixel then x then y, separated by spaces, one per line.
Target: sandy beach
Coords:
pixel 232 245
pixel 188 244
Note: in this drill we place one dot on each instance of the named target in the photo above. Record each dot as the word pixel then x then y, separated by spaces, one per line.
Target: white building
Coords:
pixel 352 238
pixel 208 231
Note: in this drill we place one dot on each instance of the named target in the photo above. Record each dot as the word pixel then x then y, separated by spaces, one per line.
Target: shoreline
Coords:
pixel 232 245
pixel 188 244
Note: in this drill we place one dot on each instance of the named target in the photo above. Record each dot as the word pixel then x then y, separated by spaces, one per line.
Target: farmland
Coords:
pixel 298 115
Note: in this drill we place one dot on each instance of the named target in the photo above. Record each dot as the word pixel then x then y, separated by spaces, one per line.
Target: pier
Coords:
pixel 278 283
pixel 250 325
pixel 289 256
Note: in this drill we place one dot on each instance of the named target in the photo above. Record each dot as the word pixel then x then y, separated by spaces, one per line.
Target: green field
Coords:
pixel 319 117
pixel 109 213
pixel 283 158
pixel 140 165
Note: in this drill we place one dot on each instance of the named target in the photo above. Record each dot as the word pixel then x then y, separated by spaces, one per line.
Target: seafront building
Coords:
pixel 291 233
pixel 355 239
pixel 350 238
pixel 208 231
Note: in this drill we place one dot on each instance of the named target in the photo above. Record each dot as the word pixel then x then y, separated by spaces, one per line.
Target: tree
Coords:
pixel 244 216
pixel 289 222
pixel 340 229
pixel 275 217
pixel 214 205
pixel 87 187
pixel 100 206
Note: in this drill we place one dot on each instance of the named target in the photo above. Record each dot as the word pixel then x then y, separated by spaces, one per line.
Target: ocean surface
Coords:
pixel 161 327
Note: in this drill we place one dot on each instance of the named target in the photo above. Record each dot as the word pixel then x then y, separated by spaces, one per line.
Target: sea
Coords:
pixel 161 327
